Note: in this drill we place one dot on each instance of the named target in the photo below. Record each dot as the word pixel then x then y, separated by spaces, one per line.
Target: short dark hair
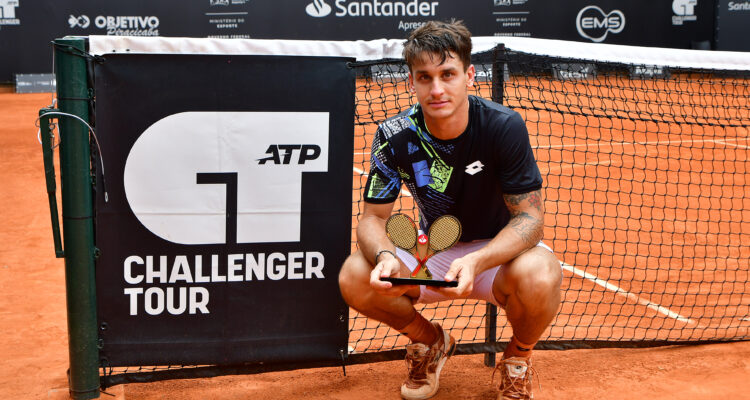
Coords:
pixel 439 38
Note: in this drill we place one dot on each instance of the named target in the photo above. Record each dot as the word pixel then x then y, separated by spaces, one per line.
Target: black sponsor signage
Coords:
pixel 229 208
pixel 26 28
pixel 732 32
pixel 35 83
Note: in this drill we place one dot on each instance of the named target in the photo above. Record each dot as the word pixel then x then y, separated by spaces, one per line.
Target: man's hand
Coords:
pixel 464 270
pixel 388 266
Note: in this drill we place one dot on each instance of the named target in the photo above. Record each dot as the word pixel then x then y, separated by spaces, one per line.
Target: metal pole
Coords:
pixel 78 222
pixel 490 314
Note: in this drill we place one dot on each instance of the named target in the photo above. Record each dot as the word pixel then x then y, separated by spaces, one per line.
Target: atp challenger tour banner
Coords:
pixel 228 212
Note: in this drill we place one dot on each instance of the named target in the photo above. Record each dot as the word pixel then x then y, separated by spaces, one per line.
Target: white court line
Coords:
pixel 608 162
pixel 732 144
pixel 656 307
pixel 650 143
pixel 363 173
pixel 614 288
pixel 573 165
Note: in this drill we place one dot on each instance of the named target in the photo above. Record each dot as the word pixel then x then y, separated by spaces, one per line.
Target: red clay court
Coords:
pixel 648 211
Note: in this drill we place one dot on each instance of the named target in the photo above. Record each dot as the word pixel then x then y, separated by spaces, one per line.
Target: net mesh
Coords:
pixel 645 172
pixel 648 209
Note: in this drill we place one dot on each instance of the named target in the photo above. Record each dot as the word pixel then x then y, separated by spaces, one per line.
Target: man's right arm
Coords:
pixel 372 241
pixel 371 234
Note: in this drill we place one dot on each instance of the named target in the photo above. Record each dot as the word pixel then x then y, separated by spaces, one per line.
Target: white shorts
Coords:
pixel 441 262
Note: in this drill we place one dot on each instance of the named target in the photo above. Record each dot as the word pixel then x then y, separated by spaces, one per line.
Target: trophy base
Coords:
pixel 417 281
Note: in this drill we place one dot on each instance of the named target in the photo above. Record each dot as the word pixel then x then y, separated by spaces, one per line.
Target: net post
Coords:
pixel 490 314
pixel 498 73
pixel 78 222
pixel 490 333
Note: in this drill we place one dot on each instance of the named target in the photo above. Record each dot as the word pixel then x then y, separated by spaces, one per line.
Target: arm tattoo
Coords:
pixel 534 198
pixel 528 227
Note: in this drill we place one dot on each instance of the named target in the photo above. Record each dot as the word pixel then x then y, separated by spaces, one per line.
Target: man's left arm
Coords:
pixel 523 231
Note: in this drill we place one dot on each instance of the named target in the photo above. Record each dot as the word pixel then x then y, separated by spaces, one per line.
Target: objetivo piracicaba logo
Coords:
pixel 82 21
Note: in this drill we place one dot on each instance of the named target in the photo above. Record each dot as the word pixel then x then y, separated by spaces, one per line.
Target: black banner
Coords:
pixel 733 25
pixel 27 28
pixel 229 212
pixel 671 24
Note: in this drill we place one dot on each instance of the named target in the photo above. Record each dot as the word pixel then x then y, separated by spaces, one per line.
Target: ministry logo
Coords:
pixel 318 8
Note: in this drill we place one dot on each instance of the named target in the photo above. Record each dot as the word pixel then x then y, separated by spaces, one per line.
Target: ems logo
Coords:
pixel 236 180
pixel 593 24
pixel 474 167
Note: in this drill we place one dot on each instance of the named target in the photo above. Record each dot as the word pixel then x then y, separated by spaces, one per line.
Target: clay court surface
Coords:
pixel 34 329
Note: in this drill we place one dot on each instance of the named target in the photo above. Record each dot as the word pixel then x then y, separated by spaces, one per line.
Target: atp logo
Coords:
pixel 318 8
pixel 594 24
pixel 83 21
pixel 282 153
pixel 230 182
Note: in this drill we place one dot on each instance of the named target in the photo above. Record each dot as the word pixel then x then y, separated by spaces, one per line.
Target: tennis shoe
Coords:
pixel 516 377
pixel 424 364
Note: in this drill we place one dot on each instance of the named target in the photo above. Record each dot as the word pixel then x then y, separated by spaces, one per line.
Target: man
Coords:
pixel 471 158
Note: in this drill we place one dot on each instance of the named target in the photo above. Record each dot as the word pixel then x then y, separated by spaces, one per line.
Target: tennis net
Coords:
pixel 644 155
pixel 645 165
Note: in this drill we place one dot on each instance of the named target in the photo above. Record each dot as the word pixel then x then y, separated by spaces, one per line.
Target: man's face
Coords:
pixel 441 89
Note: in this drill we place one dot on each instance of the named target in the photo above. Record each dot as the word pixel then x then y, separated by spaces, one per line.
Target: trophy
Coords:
pixel 443 234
